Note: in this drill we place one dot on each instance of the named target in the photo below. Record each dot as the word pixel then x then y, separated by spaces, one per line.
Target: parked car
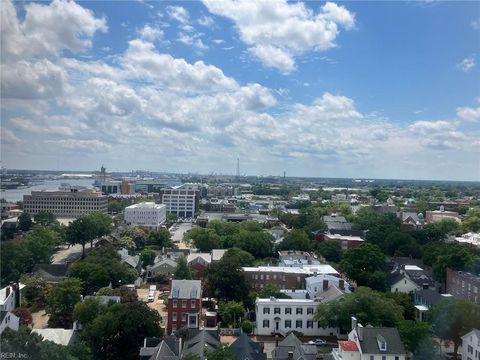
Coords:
pixel 318 342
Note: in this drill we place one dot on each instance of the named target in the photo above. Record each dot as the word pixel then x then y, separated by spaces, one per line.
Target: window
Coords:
pixel 184 317
pixel 174 303
pixel 299 311
pixel 267 277
pixel 288 324
pixel 174 317
pixel 384 357
pixel 309 324
pixel 276 310
pixel 193 303
pixel 266 310
pixel 298 324
pixel 184 303
pixel 266 323
pixel 288 310
pixel 309 311
pixel 372 357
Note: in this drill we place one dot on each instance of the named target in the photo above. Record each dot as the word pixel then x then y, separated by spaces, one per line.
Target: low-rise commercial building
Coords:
pixel 146 214
pixel 65 204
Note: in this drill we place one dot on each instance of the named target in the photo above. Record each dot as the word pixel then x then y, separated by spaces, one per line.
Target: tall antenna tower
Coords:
pixel 238 168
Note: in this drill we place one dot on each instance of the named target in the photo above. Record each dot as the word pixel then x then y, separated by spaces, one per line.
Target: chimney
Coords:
pixel 341 284
pixel 354 322
pixel 325 285
pixel 276 340
pixel 290 355
pixel 309 260
pixel 7 292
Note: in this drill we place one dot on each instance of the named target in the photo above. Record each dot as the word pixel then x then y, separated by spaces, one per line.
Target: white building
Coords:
pixel 146 214
pixel 370 343
pixel 65 204
pixel 7 297
pixel 471 345
pixel 8 320
pixel 181 200
pixel 284 315
pixel 315 285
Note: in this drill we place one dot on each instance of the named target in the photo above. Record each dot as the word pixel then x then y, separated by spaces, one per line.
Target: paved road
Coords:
pixel 66 254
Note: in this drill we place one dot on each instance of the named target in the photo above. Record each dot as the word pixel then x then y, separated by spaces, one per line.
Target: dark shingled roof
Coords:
pixel 428 296
pixel 52 273
pixel 369 342
pixel 246 349
pixel 292 344
pixel 203 341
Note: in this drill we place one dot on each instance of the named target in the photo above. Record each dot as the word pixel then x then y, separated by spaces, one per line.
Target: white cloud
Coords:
pixel 151 33
pixel 8 137
pixel 283 29
pixel 47 29
pixel 178 13
pixel 468 113
pixel 192 40
pixel 476 24
pixel 206 21
pixel 142 61
pixel 439 135
pixel 467 64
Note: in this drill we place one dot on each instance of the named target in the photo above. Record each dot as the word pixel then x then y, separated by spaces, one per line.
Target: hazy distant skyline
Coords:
pixel 319 89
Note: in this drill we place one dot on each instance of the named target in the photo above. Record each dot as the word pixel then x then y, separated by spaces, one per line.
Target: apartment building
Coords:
pixel 463 285
pixel 65 204
pixel 182 200
pixel 146 214
pixel 184 305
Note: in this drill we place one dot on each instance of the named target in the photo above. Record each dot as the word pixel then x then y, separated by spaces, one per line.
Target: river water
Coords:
pixel 14 195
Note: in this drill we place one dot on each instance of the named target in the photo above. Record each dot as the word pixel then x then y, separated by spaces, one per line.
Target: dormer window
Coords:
pixel 382 343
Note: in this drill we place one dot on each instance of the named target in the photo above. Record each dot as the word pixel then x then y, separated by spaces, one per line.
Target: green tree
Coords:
pixel 119 331
pixel 61 300
pixel 330 250
pixel 87 311
pixel 296 239
pixel 182 271
pixel 25 222
pixel 159 238
pixel 126 294
pixel 247 326
pixel 244 258
pixel 127 243
pixel 222 352
pixel 137 234
pixel 204 239
pixel 32 345
pixel 257 243
pixel 413 333
pixel 231 313
pixel 271 290
pixel 87 228
pixel 225 280
pixel 45 218
pixel 368 306
pixel 147 256
pixel 35 289
pixel 452 318
pixel 25 316
pixel 364 264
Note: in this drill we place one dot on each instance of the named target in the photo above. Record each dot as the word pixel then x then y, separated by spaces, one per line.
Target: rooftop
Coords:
pixel 186 289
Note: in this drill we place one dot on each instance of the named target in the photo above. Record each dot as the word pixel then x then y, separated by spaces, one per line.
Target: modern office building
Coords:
pixel 182 200
pixel 146 214
pixel 184 305
pixel 65 204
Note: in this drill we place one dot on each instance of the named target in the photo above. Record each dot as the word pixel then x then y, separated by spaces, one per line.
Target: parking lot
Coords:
pixel 178 230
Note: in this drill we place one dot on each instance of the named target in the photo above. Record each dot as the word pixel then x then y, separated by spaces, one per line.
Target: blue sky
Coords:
pixel 345 89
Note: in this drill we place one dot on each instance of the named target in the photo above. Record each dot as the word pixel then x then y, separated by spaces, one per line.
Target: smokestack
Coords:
pixel 341 284
pixel 325 285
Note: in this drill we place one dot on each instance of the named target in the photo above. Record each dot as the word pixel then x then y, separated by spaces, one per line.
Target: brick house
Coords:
pixel 184 305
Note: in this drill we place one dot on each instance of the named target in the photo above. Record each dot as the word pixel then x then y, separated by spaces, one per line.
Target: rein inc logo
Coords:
pixel 14 355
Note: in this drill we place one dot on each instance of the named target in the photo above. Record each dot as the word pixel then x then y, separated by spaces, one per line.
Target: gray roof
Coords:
pixel 166 348
pixel 160 264
pixel 292 344
pixel 246 349
pixel 337 223
pixel 186 289
pixel 51 273
pixel 332 293
pixel 203 341
pixel 428 296
pixel 369 340
pixel 104 299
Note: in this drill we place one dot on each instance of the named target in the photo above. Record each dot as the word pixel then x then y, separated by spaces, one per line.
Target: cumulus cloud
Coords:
pixel 282 29
pixel 178 13
pixel 468 113
pixel 192 40
pixel 151 33
pixel 466 64
pixel 439 135
pixel 47 29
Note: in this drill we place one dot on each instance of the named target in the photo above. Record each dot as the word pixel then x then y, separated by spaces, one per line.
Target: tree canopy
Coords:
pixel 182 271
pixel 60 301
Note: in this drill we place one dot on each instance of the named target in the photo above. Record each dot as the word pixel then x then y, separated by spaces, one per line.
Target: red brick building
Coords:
pixel 184 305
pixel 463 285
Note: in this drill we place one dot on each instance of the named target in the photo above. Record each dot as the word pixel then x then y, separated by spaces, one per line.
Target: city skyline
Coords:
pixel 317 89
